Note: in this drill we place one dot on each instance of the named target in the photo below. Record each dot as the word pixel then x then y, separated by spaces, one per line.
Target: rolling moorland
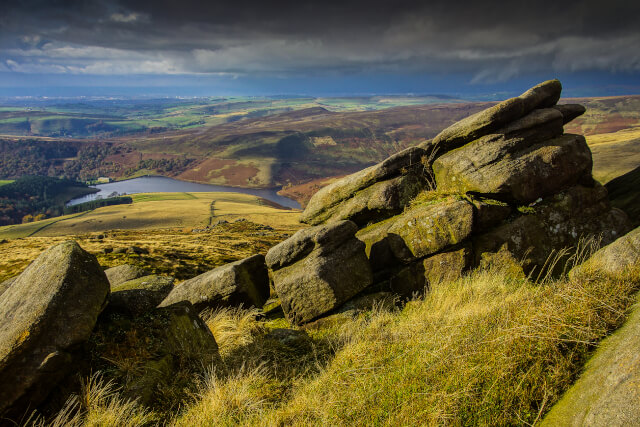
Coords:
pixel 492 347
pixel 294 143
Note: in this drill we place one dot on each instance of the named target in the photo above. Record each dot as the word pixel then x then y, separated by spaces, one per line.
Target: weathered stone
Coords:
pixel 306 240
pixel 405 162
pixel 244 282
pixel 557 222
pixel 447 266
pixel 124 273
pixel 429 228
pixel 615 258
pixel 158 343
pixel 140 295
pixel 376 202
pixel 522 177
pixel 318 269
pixel 5 285
pixel 570 111
pixel 608 391
pixel 502 261
pixel 485 122
pixel 49 310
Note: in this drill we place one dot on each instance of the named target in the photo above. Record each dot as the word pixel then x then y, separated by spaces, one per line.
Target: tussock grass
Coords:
pixel 98 405
pixel 233 328
pixel 487 349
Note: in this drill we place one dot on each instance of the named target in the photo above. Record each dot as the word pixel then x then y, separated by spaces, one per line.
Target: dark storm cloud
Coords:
pixel 491 40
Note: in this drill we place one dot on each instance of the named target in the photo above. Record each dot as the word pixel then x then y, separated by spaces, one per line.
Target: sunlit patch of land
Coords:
pixel 614 153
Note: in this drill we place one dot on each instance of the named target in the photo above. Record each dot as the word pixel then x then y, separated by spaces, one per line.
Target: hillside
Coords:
pixel 37 197
pixel 172 229
pixel 299 141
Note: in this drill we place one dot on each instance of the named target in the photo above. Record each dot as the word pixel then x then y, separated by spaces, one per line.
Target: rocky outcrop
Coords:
pixel 506 183
pixel 244 282
pixel 608 391
pixel 48 311
pixel 140 295
pixel 318 269
pixel 544 95
pixel 555 223
pixel 124 273
pixel 526 160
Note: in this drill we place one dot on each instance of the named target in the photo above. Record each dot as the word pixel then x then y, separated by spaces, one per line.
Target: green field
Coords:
pixel 6 181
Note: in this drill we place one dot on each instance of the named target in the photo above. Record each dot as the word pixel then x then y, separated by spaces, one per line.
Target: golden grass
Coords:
pixel 98 405
pixel 615 153
pixel 485 350
pixel 176 252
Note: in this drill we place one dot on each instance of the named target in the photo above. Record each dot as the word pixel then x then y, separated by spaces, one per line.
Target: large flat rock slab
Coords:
pixel 325 201
pixel 544 95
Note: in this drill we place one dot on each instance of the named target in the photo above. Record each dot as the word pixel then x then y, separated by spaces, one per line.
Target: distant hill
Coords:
pixel 260 142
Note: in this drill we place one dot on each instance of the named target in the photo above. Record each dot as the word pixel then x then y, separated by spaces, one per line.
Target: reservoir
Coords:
pixel 161 184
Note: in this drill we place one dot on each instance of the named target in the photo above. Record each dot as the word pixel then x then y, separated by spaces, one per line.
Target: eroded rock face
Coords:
pixel 324 204
pixel 447 266
pixel 557 222
pixel 421 230
pixel 244 282
pixel 47 312
pixel 124 273
pixel 318 269
pixel 526 160
pixel 376 202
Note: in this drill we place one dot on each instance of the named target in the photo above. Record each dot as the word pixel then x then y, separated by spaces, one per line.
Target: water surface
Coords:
pixel 161 184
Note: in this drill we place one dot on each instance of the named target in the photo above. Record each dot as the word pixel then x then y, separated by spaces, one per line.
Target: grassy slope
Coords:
pixel 159 210
pixel 484 350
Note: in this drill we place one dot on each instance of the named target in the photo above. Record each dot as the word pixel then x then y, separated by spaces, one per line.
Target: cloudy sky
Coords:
pixel 189 47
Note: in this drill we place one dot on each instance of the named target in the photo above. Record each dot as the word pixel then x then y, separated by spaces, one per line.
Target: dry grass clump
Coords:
pixel 98 405
pixel 233 327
